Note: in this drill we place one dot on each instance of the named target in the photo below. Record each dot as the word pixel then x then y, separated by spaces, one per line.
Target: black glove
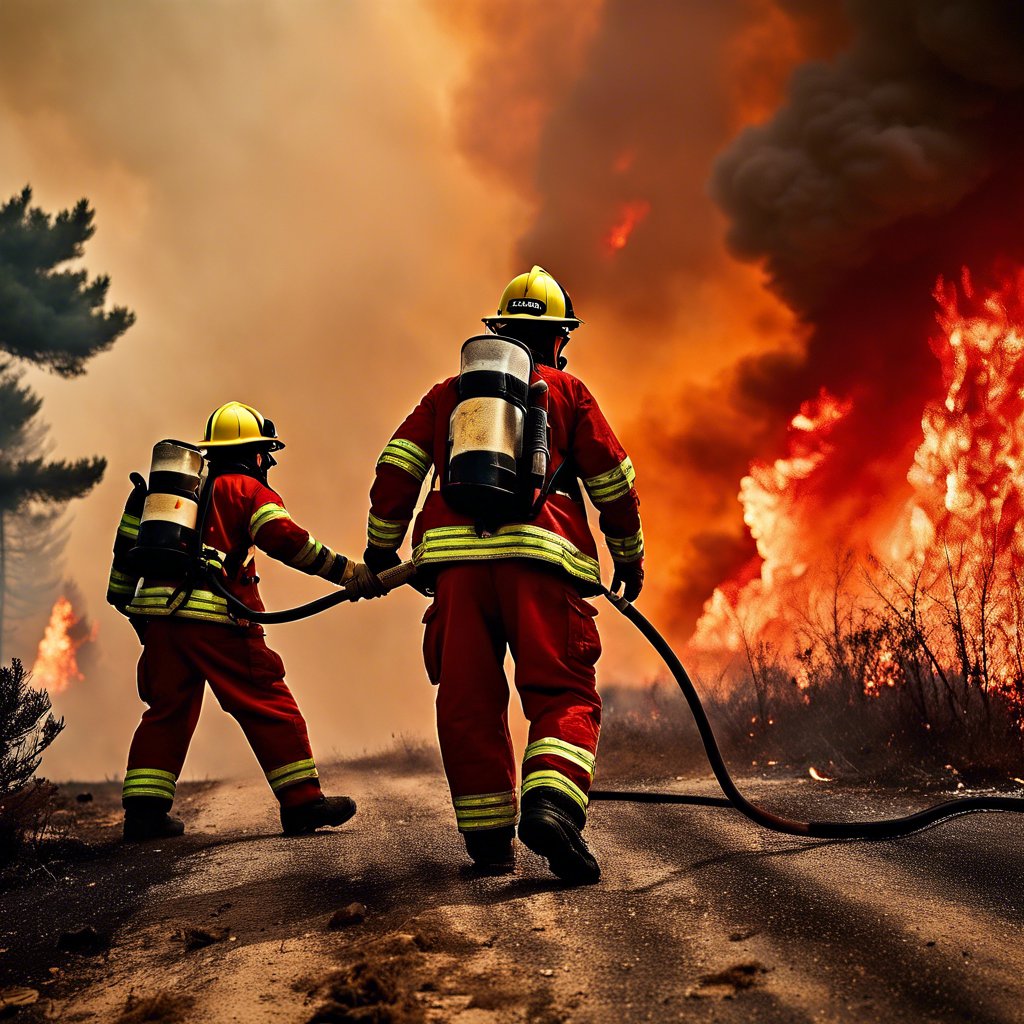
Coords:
pixel 379 559
pixel 631 576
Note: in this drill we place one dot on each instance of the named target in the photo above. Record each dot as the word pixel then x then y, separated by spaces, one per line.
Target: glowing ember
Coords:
pixel 56 664
pixel 817 776
pixel 632 213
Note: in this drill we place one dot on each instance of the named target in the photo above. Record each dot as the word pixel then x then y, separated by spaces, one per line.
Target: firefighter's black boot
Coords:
pixel 491 849
pixel 551 825
pixel 146 817
pixel 306 818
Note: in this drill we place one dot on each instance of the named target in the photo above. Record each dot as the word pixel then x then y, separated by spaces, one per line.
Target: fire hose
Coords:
pixel 889 828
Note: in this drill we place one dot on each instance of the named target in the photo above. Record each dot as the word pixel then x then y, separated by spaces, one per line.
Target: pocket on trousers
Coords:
pixel 584 642
pixel 265 665
pixel 432 644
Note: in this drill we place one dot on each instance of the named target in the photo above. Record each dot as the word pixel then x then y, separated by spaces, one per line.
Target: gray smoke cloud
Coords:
pixel 900 128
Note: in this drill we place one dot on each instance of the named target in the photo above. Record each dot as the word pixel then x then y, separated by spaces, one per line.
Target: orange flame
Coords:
pixel 56 664
pixel 630 215
pixel 962 527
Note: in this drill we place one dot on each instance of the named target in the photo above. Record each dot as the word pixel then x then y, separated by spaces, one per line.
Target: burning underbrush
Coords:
pixel 890 679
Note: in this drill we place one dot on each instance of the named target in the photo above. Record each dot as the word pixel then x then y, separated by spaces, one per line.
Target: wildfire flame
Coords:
pixel 962 530
pixel 630 215
pixel 817 776
pixel 56 664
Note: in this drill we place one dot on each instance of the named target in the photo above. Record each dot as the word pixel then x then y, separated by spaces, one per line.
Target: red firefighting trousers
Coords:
pixel 479 609
pixel 246 676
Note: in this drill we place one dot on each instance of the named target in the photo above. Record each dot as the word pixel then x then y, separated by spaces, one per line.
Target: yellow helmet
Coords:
pixel 235 423
pixel 535 296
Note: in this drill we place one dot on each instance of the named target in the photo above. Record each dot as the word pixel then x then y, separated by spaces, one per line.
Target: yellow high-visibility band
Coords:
pixel 129 526
pixel 555 780
pixel 121 583
pixel 200 604
pixel 485 799
pixel 287 774
pixel 606 487
pixel 627 549
pixel 266 514
pixel 307 553
pixel 555 747
pixel 385 533
pixel 149 782
pixel 405 455
pixel 485 810
pixel 461 544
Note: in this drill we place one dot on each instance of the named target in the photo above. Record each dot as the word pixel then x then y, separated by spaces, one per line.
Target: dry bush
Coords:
pixel 890 677
pixel 27 728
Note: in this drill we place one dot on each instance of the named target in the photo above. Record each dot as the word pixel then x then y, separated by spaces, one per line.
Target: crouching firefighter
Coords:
pixel 505 546
pixel 197 516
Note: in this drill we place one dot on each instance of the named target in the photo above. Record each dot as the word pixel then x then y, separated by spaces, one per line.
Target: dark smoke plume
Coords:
pixel 899 130
pixel 896 162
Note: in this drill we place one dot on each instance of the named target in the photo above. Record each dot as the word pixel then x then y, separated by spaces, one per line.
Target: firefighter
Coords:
pixel 519 584
pixel 189 642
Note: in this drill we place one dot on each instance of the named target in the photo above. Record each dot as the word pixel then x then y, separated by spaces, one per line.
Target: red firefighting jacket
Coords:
pixel 244 514
pixel 559 535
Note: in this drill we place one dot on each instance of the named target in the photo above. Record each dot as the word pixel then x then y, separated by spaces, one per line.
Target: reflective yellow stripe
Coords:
pixel 307 553
pixel 265 514
pixel 627 549
pixel 485 810
pixel 149 782
pixel 485 799
pixel 290 773
pixel 129 526
pixel 606 487
pixel 555 747
pixel 555 780
pixel 201 604
pixel 405 455
pixel 121 582
pixel 385 533
pixel 461 544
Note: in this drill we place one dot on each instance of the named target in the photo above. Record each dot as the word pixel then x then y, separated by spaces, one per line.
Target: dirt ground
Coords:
pixel 699 916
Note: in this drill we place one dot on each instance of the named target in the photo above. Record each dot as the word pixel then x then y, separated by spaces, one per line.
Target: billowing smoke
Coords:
pixel 880 151
pixel 895 163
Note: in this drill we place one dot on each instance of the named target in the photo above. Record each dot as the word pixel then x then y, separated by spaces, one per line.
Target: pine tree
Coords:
pixel 53 317
pixel 50 315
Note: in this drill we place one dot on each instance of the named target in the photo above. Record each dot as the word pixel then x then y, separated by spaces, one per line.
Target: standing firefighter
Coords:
pixel 190 638
pixel 505 545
